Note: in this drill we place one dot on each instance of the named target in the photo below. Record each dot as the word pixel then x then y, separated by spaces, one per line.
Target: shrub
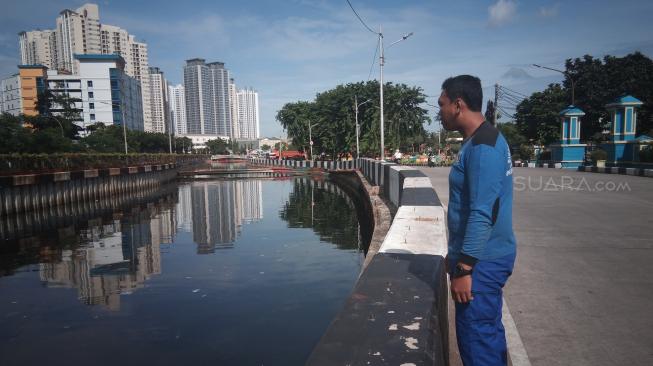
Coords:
pixel 526 151
pixel 646 154
pixel 598 154
pixel 545 156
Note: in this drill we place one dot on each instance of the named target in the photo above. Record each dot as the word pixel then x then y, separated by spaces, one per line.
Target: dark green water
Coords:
pixel 245 272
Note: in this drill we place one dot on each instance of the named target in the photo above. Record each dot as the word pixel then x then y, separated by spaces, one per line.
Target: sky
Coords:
pixel 289 50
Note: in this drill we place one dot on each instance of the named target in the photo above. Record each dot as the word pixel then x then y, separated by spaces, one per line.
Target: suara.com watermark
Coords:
pixel 567 183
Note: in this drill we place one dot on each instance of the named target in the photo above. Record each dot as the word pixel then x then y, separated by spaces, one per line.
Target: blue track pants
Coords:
pixel 480 333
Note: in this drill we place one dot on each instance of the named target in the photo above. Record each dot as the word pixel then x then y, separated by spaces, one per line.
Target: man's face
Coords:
pixel 449 111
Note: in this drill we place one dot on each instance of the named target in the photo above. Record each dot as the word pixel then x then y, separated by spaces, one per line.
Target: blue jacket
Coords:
pixel 480 198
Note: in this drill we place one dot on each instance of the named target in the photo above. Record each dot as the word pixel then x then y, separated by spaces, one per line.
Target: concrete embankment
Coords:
pixel 27 192
pixel 397 312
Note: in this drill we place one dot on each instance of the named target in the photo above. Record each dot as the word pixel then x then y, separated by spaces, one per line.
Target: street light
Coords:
pixel 565 73
pixel 310 137
pixel 357 126
pixel 122 115
pixel 381 63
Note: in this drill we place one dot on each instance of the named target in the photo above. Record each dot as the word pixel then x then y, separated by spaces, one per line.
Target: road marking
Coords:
pixel 516 349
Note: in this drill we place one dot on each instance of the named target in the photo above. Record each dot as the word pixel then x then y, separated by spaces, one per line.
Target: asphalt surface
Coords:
pixel 582 289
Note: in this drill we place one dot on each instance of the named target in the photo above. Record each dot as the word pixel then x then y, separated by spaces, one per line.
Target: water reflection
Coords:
pixel 325 208
pixel 216 211
pixel 284 264
pixel 108 251
pixel 116 257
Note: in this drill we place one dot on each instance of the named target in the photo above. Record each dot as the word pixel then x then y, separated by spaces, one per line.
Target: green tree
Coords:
pixel 265 147
pixel 537 117
pixel 599 82
pixel 332 117
pixel 15 138
pixel 218 146
pixel 510 131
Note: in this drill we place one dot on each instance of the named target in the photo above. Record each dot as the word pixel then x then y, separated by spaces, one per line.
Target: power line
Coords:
pixel 359 18
pixel 373 60
pixel 515 96
pixel 513 91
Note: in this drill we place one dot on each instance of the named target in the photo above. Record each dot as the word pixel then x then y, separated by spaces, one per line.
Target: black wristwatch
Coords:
pixel 459 271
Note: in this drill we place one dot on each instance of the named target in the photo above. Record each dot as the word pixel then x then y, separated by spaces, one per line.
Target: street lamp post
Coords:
pixel 356 106
pixel 310 138
pixel 381 63
pixel 565 73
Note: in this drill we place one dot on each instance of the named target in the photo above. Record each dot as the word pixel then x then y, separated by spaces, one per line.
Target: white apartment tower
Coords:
pixel 38 48
pixel 233 105
pixel 115 40
pixel 207 98
pixel 248 114
pixel 77 32
pixel 176 97
pixel 159 101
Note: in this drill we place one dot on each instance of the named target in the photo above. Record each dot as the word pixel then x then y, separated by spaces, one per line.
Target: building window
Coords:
pixel 90 95
pixel 89 83
pixel 92 116
pixel 91 105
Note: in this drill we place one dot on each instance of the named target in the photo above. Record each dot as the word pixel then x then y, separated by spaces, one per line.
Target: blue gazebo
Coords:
pixel 622 147
pixel 569 153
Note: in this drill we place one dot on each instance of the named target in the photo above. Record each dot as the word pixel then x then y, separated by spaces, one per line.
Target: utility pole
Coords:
pixel 381 61
pixel 356 108
pixel 496 104
pixel 169 132
pixel 310 139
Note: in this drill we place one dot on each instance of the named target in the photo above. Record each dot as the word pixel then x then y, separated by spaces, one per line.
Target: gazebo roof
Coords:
pixel 624 101
pixel 572 110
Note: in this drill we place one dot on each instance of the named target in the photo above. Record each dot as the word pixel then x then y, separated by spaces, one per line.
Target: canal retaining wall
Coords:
pixel 27 192
pixel 397 312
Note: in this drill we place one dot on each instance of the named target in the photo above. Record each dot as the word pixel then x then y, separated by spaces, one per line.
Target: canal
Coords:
pixel 223 272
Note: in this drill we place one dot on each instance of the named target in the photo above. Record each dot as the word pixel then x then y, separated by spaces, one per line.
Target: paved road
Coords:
pixel 582 289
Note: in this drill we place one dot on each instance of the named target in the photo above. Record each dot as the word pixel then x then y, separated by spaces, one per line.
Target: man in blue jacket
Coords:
pixel 482 245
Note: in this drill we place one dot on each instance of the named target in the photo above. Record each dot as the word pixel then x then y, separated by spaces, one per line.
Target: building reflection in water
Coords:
pixel 113 247
pixel 116 257
pixel 216 211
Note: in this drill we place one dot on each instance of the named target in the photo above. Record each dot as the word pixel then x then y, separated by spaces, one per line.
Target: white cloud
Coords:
pixel 502 12
pixel 549 12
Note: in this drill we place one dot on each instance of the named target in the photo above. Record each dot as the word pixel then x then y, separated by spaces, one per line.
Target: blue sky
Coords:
pixel 289 50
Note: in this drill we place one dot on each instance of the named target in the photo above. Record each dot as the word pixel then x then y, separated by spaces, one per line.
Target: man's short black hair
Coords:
pixel 466 87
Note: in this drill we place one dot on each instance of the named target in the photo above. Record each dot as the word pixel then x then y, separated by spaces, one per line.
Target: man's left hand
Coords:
pixel 461 287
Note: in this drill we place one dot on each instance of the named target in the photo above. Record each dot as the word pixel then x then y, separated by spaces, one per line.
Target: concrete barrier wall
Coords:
pixel 617 170
pixel 397 313
pixel 22 193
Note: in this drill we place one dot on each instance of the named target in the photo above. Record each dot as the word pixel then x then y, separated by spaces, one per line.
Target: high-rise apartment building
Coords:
pixel 77 32
pixel 233 105
pixel 248 114
pixel 38 47
pixel 159 101
pixel 177 100
pixel 207 98
pixel 80 32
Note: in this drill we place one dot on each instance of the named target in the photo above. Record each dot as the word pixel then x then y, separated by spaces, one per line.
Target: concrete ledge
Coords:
pixel 109 172
pixel 54 177
pixel 84 174
pixel 129 170
pixel 395 316
pixel 617 170
pixel 24 180
pixel 417 230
